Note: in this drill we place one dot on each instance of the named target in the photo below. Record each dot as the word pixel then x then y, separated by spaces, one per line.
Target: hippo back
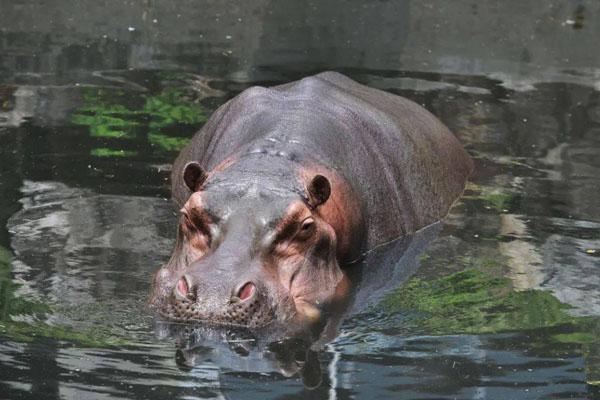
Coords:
pixel 404 166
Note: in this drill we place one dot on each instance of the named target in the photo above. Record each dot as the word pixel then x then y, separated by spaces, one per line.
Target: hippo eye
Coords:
pixel 307 225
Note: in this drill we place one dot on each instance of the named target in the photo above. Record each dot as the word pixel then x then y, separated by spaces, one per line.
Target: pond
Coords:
pixel 96 101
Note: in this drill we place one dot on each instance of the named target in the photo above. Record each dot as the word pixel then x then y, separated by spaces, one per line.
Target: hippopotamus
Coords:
pixel 285 187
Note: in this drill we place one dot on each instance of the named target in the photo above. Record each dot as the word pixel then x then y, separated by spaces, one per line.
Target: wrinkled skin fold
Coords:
pixel 285 186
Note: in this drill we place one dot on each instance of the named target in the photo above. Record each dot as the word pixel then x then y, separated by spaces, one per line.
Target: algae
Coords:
pixel 12 306
pixel 119 117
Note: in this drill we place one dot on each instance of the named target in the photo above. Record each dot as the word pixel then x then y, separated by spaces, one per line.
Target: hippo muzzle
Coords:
pixel 249 307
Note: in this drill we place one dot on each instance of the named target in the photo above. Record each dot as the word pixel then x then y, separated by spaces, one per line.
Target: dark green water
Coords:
pixel 96 99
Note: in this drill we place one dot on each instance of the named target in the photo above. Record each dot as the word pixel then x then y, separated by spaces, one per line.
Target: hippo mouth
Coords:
pixel 249 308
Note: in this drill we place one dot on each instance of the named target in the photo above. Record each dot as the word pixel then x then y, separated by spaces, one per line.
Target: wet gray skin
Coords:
pixel 239 281
pixel 285 184
pixel 213 288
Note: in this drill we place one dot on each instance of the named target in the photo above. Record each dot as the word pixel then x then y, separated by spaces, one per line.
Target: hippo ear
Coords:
pixel 194 175
pixel 319 190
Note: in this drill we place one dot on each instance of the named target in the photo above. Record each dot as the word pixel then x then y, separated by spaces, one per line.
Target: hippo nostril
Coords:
pixel 182 288
pixel 246 291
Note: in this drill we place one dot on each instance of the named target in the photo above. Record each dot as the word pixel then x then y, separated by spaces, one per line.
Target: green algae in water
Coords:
pixel 168 143
pixel 105 152
pixel 168 109
pixel 576 337
pixel 104 118
pixel 114 115
pixel 11 305
pixel 494 198
pixel 171 106
pixel 473 302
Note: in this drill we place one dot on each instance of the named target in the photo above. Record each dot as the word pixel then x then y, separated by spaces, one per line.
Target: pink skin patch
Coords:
pixel 246 291
pixel 182 287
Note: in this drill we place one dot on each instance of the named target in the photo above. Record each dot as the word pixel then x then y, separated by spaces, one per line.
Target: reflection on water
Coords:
pixel 504 301
pixel 94 247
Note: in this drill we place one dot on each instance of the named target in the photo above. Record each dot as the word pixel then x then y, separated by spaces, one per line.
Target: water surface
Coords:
pixel 505 302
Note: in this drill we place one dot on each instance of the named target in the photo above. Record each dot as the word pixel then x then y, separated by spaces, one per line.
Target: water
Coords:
pixel 505 302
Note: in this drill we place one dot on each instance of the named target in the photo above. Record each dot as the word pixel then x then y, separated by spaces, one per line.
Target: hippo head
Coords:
pixel 251 250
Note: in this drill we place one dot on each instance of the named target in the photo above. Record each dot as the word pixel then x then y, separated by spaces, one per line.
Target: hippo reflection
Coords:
pixel 284 187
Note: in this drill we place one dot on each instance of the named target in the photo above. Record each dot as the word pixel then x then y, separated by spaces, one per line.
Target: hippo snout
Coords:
pixel 246 306
pixel 184 290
